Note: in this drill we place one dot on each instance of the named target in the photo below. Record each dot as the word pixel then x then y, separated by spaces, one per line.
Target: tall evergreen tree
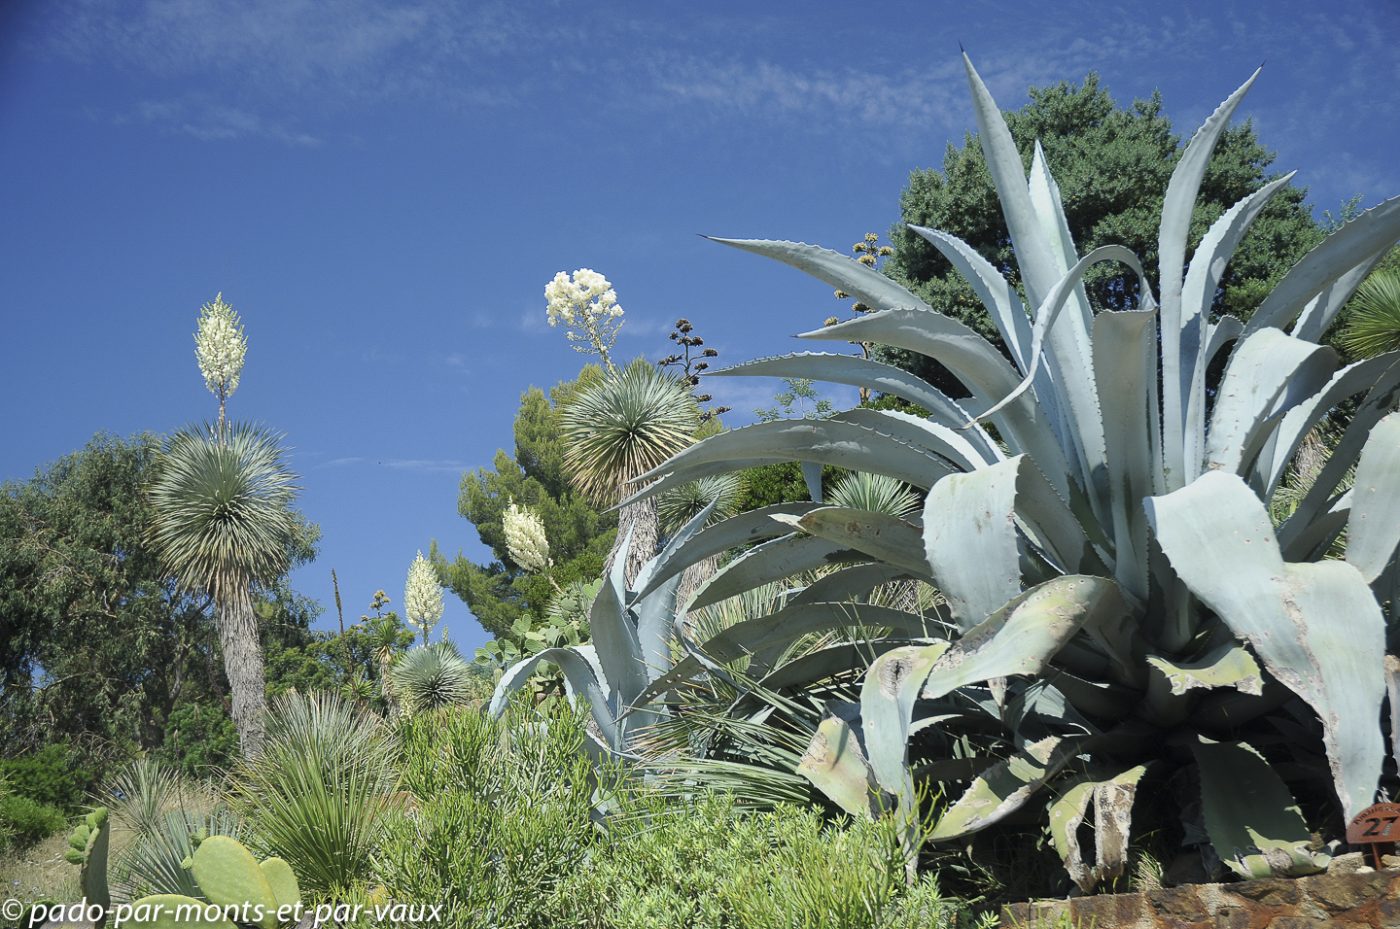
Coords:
pixel 1112 165
pixel 499 592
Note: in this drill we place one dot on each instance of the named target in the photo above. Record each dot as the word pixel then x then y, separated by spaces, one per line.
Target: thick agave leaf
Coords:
pixel 1329 273
pixel 1005 787
pixel 1177 207
pixel 674 544
pixel 1321 497
pixel 1379 373
pixel 887 708
pixel 1373 531
pixel 950 443
pixel 1112 798
pixel 1268 374
pixel 972 542
pixel 878 535
pixel 1047 314
pixel 860 372
pixel 1033 254
pixel 1021 638
pixel 830 661
pixel 848 583
pixel 615 636
pixel 825 441
pixel 1253 822
pixel 776 632
pixel 735 532
pixel 1125 366
pixel 656 612
pixel 840 271
pixel 1069 358
pixel 1316 627
pixel 997 294
pixel 977 364
pixel 582 676
pixel 1228 665
pixel 771 561
pixel 835 763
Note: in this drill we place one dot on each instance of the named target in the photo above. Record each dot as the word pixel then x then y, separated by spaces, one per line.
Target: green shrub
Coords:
pixel 53 776
pixel 503 815
pixel 28 821
pixel 711 864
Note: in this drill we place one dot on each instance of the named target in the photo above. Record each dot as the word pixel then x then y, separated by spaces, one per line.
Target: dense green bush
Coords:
pixel 502 815
pixel 505 831
pixel 52 776
pixel 28 821
pixel 711 864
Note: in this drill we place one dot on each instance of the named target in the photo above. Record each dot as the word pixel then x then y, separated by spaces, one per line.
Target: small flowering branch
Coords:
pixel 587 306
pixel 868 252
pixel 219 348
pixel 422 596
pixel 692 359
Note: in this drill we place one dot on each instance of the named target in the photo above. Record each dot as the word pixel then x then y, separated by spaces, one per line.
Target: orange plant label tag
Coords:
pixel 1379 822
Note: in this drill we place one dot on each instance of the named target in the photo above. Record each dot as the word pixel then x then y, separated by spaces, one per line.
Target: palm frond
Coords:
pixel 678 506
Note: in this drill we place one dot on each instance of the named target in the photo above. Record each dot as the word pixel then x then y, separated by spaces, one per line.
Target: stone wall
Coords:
pixel 1365 900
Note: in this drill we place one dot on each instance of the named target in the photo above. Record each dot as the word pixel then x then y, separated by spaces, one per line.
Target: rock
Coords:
pixel 1350 863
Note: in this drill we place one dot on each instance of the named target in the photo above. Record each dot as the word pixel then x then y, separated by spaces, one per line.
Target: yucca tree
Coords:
pixel 616 428
pixel 1119 604
pixel 224 524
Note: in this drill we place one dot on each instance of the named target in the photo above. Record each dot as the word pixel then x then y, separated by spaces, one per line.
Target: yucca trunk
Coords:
pixel 243 665
pixel 693 577
pixel 645 526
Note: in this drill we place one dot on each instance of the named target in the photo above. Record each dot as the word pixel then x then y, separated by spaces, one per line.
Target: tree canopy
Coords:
pixel 1112 165
pixel 99 647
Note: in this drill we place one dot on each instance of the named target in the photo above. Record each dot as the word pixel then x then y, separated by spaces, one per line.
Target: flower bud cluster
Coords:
pixel 220 346
pixel 422 596
pixel 525 538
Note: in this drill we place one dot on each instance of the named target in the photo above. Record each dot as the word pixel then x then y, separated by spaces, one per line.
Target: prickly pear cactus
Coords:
pixel 87 848
pixel 229 875
pixel 162 911
pixel 282 881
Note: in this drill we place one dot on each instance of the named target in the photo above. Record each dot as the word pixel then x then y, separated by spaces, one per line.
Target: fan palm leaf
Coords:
pixel 224 522
pixel 1373 324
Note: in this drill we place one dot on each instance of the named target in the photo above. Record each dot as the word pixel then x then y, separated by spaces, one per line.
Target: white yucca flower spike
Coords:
pixel 587 306
pixel 219 347
pixel 525 538
pixel 422 596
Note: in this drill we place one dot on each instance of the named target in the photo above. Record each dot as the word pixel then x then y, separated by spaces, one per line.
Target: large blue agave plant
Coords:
pixel 1118 598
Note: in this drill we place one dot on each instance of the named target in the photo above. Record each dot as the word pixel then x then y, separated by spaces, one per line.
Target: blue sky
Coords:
pixel 383 190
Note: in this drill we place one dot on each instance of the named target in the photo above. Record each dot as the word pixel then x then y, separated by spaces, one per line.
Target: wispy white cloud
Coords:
pixel 209 121
pixel 399 464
